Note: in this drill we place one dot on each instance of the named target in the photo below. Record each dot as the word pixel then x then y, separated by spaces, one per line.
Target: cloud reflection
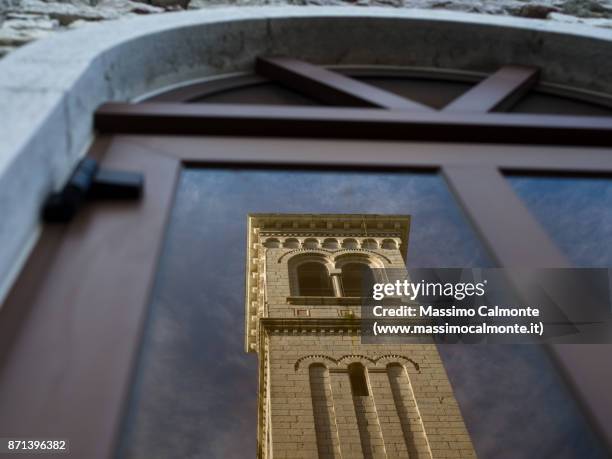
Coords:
pixel 196 388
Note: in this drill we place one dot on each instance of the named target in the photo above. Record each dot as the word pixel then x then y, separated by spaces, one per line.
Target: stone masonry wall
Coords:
pixel 23 21
pixel 410 410
pixel 312 411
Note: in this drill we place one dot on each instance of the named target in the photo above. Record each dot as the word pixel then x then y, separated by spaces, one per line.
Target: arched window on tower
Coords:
pixel 357 280
pixel 359 384
pixel 314 280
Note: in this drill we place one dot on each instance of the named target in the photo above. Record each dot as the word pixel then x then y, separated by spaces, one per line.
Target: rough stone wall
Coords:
pixel 22 21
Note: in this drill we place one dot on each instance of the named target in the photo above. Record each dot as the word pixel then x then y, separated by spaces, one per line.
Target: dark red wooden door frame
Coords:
pixel 351 123
pixel 92 368
pixel 504 224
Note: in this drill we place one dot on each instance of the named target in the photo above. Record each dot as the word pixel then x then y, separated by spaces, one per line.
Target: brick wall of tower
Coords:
pixel 409 412
pixel 311 411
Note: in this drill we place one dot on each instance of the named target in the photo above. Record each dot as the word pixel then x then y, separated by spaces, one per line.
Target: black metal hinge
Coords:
pixel 89 182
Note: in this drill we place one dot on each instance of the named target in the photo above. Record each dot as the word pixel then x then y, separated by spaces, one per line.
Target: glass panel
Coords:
pixel 435 93
pixel 538 102
pixel 536 410
pixel 515 404
pixel 575 211
pixel 196 389
pixel 429 92
pixel 313 280
pixel 260 93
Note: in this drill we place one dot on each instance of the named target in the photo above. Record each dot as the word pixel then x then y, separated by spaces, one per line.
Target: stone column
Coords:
pixel 390 423
pixel 346 418
pixel 336 281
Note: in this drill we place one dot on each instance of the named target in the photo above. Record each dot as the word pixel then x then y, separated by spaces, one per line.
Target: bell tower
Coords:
pixel 322 393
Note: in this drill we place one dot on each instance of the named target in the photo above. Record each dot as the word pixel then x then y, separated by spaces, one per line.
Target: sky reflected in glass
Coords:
pixel 196 389
pixel 577 213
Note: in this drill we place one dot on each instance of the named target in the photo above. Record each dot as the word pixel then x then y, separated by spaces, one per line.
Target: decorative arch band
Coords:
pixel 335 253
pixel 373 361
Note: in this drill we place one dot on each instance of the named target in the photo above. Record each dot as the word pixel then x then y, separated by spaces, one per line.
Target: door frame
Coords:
pixel 68 347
